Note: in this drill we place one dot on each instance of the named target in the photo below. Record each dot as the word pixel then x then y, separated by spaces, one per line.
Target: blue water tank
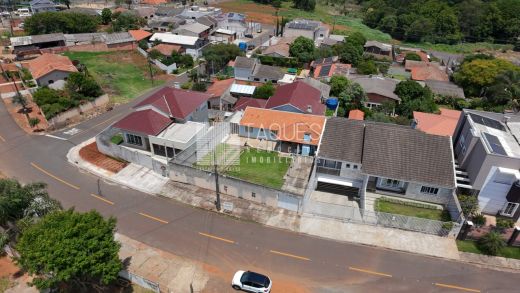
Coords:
pixel 332 103
pixel 242 46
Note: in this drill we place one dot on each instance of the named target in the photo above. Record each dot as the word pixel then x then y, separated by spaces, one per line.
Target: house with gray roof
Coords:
pixel 42 6
pixel 379 90
pixel 445 88
pixel 379 50
pixel 364 160
pixel 250 69
pixel 311 29
pixel 193 29
pixel 487 152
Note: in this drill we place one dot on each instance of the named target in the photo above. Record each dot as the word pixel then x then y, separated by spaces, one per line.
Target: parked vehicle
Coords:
pixel 25 15
pixel 250 47
pixel 242 46
pixel 22 10
pixel 5 13
pixel 250 36
pixel 251 281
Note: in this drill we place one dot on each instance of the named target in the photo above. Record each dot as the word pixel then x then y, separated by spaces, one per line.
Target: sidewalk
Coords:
pixel 280 218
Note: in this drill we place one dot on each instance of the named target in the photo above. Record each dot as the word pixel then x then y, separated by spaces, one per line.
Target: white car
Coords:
pixel 5 13
pixel 251 281
pixel 25 14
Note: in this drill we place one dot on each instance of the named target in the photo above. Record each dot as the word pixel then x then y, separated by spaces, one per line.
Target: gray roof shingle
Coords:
pixel 269 72
pixel 244 62
pixel 342 139
pixel 391 151
pixel 445 88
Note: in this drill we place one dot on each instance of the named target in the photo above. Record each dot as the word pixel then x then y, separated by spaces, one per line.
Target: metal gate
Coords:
pixel 288 202
pixel 337 189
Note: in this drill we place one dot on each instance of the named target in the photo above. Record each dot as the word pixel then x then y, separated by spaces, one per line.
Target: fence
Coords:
pixel 63 118
pixel 141 158
pixel 167 68
pixel 141 281
pixel 355 215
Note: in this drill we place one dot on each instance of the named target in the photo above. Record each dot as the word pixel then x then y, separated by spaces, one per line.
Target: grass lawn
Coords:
pixel 122 74
pixel 261 167
pixel 411 211
pixel 471 246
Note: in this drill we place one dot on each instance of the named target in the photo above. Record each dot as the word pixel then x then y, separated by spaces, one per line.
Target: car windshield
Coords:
pixel 255 278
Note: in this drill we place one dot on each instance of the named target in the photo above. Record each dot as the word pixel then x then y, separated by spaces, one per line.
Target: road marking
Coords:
pixel 102 199
pixel 53 176
pixel 369 272
pixel 456 287
pixel 2 138
pixel 75 131
pixel 217 238
pixel 289 255
pixel 54 136
pixel 153 218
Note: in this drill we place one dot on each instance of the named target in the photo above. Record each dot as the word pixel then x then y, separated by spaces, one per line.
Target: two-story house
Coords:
pixel 487 150
pixel 311 29
pixel 192 45
pixel 356 158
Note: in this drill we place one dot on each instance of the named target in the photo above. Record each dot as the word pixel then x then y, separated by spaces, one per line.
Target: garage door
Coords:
pixel 338 189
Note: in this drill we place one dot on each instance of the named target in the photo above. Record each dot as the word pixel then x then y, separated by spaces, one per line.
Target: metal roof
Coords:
pixel 174 39
pixel 242 89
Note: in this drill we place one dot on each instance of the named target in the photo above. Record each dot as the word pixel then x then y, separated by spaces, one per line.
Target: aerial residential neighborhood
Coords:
pixel 260 146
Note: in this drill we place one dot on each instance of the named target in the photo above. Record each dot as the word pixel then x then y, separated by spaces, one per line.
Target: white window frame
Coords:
pixel 430 190
pixel 514 207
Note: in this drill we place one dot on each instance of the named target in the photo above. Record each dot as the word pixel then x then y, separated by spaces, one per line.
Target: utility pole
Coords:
pixel 217 188
pixel 151 71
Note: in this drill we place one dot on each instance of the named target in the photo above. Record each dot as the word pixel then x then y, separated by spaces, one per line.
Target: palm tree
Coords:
pixel 19 99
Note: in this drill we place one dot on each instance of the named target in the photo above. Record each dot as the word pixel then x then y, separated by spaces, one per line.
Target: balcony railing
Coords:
pixel 329 171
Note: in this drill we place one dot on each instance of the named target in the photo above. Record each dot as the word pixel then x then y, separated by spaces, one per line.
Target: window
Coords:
pixel 429 190
pixel 462 143
pixel 510 209
pixel 253 194
pixel 134 139
pixel 329 164
pixel 347 166
pixel 355 167
pixel 51 81
pixel 392 183
pixel 160 150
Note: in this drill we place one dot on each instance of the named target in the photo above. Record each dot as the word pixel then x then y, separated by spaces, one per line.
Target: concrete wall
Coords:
pixel 230 186
pixel 413 191
pixel 52 76
pixel 63 118
pixel 289 32
pixel 146 142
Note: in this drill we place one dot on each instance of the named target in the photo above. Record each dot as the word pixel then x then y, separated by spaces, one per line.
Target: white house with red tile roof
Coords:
pixel 49 68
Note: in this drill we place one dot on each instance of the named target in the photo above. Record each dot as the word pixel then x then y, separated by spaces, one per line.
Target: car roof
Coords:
pixel 256 278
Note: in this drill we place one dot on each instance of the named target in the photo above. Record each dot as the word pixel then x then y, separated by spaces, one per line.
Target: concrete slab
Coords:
pixel 140 178
pixel 380 236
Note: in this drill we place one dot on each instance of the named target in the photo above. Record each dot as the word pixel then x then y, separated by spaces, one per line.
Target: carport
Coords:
pixel 326 184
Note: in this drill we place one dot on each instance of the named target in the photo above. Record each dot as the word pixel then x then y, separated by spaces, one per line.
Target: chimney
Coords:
pixel 309 109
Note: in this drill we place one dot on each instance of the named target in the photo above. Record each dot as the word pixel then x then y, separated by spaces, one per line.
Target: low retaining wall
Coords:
pixel 63 118
pixel 236 187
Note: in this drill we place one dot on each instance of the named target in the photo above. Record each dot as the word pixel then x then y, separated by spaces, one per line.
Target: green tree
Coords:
pixel 414 97
pixel 127 21
pixel 357 39
pixel 412 56
pixel 367 67
pixel 505 88
pixel 353 97
pixel 154 54
pixel 106 16
pixel 492 243
pixel 303 49
pixel 186 60
pixel 349 53
pixel 67 249
pixel 468 204
pixel 83 85
pixel 264 91
pixel 199 87
pixel 338 83
pixel 21 100
pixel 218 55
pixel 478 74
pixel 143 44
pixel 60 22
pixel 307 5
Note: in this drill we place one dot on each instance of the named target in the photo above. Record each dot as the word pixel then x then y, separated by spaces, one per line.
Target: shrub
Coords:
pixel 491 243
pixel 504 223
pixel 468 204
pixel 143 44
pixel 186 85
pixel 412 56
pixel 479 220
pixel 34 121
pixel 199 86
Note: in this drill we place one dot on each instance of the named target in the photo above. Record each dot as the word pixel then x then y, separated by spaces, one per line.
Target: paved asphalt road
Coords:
pixel 319 264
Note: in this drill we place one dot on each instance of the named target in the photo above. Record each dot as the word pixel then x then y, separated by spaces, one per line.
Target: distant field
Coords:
pixel 122 74
pixel 266 14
